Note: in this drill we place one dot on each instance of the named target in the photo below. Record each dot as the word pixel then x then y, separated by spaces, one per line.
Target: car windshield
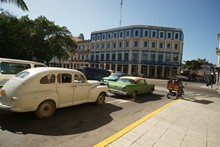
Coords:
pixel 116 74
pixel 126 80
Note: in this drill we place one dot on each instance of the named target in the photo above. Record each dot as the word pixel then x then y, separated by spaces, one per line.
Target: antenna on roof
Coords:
pixel 121 12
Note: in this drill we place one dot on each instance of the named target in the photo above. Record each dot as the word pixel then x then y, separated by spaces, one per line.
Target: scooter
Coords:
pixel 175 94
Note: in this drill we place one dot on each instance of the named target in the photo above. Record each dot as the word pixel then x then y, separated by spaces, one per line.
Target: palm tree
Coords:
pixel 19 3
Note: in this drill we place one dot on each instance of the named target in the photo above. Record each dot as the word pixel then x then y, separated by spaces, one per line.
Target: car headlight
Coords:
pixel 123 89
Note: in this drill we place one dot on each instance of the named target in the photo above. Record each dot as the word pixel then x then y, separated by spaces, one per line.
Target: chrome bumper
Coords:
pixel 117 92
pixel 5 107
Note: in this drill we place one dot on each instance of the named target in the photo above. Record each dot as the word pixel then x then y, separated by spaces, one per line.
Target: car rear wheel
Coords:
pixel 101 99
pixel 151 91
pixel 134 94
pixel 46 109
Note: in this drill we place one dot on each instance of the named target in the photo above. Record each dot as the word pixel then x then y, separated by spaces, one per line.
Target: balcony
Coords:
pixel 218 51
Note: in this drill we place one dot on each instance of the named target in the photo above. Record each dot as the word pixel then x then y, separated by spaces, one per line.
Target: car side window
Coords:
pixel 48 79
pixel 64 78
pixel 79 78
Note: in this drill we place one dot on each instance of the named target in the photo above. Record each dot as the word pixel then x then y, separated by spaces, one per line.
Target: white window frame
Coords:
pixel 163 34
pixel 135 32
pixel 122 34
pixel 129 31
pixel 170 35
pixel 144 33
pixel 155 33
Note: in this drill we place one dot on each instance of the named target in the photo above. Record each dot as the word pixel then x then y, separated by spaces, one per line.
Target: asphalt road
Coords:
pixel 85 125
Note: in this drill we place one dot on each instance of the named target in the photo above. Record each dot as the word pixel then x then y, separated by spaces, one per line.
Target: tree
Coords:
pixel 38 39
pixel 19 3
pixel 194 64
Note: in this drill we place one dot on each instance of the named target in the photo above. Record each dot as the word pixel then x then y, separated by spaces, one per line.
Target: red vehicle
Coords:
pixel 175 88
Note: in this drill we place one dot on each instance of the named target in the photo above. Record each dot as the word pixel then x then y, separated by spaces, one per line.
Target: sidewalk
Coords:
pixel 189 122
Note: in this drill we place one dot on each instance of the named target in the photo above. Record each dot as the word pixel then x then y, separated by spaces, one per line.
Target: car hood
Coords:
pixel 94 83
pixel 110 78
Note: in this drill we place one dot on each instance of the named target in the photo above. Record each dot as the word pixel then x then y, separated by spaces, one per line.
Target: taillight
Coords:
pixel 2 92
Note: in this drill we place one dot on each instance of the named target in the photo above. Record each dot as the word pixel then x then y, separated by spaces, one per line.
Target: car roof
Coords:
pixel 50 69
pixel 133 78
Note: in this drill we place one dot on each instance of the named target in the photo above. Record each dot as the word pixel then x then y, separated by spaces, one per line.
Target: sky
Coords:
pixel 199 19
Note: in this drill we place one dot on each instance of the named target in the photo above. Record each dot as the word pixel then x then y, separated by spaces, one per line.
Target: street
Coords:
pixel 87 124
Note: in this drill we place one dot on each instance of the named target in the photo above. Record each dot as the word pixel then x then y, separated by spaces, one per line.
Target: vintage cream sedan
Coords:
pixel 44 89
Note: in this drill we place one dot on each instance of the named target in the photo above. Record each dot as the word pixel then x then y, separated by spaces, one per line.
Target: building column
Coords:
pixel 129 69
pixel 116 67
pixel 148 71
pixel 139 68
pixel 155 74
pixel 163 69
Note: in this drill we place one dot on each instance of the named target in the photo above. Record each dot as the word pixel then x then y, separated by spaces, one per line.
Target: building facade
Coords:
pixel 155 52
pixel 218 63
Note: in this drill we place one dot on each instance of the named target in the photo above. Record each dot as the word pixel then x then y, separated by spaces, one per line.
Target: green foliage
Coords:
pixel 19 3
pixel 37 39
pixel 193 64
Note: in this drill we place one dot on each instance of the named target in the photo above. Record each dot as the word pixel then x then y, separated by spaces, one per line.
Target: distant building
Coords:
pixel 153 51
pixel 218 63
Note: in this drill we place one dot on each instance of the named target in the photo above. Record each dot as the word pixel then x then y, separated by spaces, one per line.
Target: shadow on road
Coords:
pixel 66 121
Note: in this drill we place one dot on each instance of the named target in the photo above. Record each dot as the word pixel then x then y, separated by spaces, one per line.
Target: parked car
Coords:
pixel 92 73
pixel 114 76
pixel 45 89
pixel 129 85
pixel 10 67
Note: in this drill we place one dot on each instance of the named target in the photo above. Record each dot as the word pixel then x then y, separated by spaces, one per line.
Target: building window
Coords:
pixel 103 36
pixel 128 33
pixel 152 57
pixel 135 57
pixel 113 56
pixel 126 56
pixel 154 34
pixel 135 43
pixel 119 56
pixel 98 37
pixel 120 44
pixel 161 34
pixel 136 33
pixel 108 46
pixel 169 35
pixel 176 46
pixel 168 58
pixel 103 46
pixel 168 45
pixel 114 45
pixel 160 58
pixel 161 45
pixel 145 43
pixel 97 46
pixel 109 35
pixel 146 33
pixel 175 58
pixel 115 35
pixel 93 37
pixel 127 44
pixel 107 57
pixel 153 44
pixel 102 57
pixel 121 34
pixel 144 56
pixel 176 35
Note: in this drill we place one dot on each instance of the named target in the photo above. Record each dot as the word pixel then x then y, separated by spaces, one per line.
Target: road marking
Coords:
pixel 132 126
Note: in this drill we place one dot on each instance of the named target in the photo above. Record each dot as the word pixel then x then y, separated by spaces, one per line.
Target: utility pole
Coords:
pixel 121 12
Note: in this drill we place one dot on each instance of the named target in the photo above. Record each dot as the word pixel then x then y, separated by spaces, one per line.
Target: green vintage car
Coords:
pixel 129 85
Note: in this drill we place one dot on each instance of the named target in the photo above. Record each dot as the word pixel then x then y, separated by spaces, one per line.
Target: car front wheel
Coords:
pixel 134 94
pixel 46 109
pixel 101 99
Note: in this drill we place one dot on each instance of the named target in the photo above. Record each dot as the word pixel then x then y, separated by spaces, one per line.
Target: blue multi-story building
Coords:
pixel 151 50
